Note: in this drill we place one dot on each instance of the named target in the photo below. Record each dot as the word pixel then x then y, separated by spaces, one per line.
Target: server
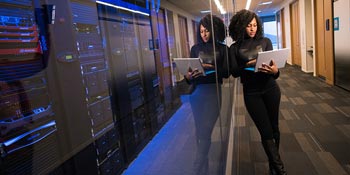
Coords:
pixel 134 84
pixel 27 123
pixel 79 88
pixel 80 73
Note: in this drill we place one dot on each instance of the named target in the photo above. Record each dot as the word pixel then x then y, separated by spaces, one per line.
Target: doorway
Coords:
pixel 295 33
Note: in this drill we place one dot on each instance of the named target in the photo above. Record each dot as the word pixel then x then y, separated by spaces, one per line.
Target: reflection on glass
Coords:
pixel 26 115
pixel 206 97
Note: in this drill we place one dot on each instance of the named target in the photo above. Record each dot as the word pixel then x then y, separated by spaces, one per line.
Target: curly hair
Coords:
pixel 218 25
pixel 239 22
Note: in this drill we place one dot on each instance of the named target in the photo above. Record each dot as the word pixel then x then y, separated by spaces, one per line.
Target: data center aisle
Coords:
pixel 314 124
pixel 154 159
pixel 173 150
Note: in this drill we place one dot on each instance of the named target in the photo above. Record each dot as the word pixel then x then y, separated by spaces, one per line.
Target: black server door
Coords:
pixel 27 123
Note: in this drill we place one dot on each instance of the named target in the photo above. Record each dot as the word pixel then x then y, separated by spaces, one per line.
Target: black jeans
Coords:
pixel 263 107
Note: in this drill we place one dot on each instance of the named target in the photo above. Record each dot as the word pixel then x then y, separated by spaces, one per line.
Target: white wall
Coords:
pixel 306 29
pixel 309 31
pixel 306 35
pixel 302 37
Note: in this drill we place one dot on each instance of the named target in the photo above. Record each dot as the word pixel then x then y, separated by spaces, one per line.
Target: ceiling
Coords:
pixel 231 6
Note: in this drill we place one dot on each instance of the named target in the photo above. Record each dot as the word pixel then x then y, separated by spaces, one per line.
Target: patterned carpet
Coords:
pixel 314 124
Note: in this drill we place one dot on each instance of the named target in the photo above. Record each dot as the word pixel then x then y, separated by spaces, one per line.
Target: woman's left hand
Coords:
pixel 269 69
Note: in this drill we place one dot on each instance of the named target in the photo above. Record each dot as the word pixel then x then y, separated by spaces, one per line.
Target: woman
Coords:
pixel 261 92
pixel 205 98
pixel 204 50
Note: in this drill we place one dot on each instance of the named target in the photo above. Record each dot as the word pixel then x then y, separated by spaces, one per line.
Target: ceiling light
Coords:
pixel 220 7
pixel 205 11
pixel 123 8
pixel 266 3
pixel 247 6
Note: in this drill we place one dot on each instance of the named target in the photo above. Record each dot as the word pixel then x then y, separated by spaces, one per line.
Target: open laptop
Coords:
pixel 279 56
pixel 183 64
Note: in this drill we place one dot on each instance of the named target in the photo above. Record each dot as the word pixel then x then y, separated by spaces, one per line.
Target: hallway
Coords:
pixel 314 124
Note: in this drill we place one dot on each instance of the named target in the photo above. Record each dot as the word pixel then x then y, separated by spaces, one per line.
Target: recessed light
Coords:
pixel 247 6
pixel 205 11
pixel 266 3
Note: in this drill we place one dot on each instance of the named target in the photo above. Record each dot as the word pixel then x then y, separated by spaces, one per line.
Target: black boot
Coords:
pixel 271 170
pixel 274 157
pixel 276 137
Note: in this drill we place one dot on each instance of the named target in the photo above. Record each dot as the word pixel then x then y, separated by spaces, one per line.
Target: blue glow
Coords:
pixel 209 72
pixel 250 68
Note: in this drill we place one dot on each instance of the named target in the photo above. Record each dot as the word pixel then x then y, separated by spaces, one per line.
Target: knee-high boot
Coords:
pixel 273 155
pixel 276 137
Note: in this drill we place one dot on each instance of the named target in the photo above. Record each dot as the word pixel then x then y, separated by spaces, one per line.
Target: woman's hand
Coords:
pixel 193 74
pixel 269 69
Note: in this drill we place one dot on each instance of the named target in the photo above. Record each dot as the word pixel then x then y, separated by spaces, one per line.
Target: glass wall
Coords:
pixel 196 138
pixel 85 86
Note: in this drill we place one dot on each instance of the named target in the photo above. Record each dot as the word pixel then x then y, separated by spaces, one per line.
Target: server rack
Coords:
pixel 81 73
pixel 136 90
pixel 127 85
pixel 27 125
pixel 73 102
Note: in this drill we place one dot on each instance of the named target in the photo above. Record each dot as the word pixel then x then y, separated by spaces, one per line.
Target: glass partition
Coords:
pixel 91 87
pixel 195 140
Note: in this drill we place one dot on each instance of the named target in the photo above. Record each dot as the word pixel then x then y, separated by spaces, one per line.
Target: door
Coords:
pixel 281 41
pixel 320 39
pixel 295 33
pixel 185 51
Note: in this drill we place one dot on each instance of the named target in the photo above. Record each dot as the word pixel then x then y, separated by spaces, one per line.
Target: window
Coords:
pixel 270 29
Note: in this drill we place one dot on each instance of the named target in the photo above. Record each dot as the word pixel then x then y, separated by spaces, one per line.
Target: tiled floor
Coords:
pixel 314 124
pixel 315 135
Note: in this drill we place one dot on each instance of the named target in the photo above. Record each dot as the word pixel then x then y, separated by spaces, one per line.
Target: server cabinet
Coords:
pixel 127 87
pixel 153 99
pixel 27 124
pixel 81 89
pixel 135 85
pixel 73 101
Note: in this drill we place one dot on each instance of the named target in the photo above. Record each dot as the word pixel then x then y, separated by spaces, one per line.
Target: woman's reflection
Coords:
pixel 205 99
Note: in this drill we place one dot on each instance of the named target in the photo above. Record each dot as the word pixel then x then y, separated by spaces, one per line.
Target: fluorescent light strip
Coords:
pixel 266 3
pixel 123 8
pixel 247 6
pixel 220 7
pixel 205 11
